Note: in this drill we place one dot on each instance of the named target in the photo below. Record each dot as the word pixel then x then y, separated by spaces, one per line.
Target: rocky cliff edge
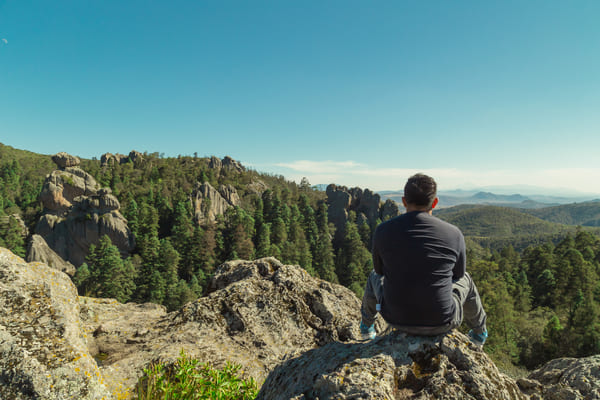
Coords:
pixel 295 333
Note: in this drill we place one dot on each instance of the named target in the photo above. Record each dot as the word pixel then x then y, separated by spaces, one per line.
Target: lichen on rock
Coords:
pixel 43 351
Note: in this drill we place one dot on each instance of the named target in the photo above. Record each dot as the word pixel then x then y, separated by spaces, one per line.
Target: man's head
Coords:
pixel 420 193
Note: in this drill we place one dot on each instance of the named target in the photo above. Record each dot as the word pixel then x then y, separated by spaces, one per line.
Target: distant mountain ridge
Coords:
pixel 457 197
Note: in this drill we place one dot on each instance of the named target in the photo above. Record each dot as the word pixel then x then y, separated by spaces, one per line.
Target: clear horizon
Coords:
pixel 474 94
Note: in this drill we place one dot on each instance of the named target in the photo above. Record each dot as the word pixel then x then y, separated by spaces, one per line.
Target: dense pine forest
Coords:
pixel 539 280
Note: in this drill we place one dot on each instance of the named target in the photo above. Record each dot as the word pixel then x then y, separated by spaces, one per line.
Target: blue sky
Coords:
pixel 360 93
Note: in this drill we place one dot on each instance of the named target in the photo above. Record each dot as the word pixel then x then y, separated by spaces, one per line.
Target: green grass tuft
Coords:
pixel 189 379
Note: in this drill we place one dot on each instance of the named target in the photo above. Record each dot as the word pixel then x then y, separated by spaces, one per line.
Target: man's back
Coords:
pixel 419 255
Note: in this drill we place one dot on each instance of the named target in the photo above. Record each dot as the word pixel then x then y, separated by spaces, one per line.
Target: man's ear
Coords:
pixel 435 203
pixel 404 201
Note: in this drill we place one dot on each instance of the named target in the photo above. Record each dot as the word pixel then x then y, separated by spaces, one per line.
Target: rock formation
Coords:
pixel 43 351
pixel 257 314
pixel 38 250
pixel 366 204
pixel 279 323
pixel 394 366
pixel 109 158
pixel 565 378
pixel 227 163
pixel 77 213
pixel 257 187
pixel 209 202
pixel 64 160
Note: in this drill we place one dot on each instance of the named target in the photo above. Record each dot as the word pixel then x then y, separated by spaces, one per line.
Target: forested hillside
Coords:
pixel 585 214
pixel 539 280
pixel 497 227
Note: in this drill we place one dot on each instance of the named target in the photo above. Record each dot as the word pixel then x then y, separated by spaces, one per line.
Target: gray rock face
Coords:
pixel 389 210
pixel 256 187
pixel 38 250
pixel 62 186
pixel 135 156
pixel 209 202
pixel 230 163
pixel 366 204
pixel 568 378
pixel 43 352
pixel 257 314
pixel 109 158
pixel 395 366
pixel 64 160
pixel 226 163
pixel 77 213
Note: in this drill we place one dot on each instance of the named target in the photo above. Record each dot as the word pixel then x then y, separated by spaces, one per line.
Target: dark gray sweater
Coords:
pixel 419 255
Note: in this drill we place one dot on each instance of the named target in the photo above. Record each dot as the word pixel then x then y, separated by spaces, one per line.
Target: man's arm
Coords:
pixel 461 263
pixel 377 261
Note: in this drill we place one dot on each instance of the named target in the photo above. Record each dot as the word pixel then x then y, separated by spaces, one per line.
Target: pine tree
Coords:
pixel 82 280
pixel 263 241
pixel 239 230
pixel 353 258
pixel 108 274
pixel 183 228
pixel 168 264
pixel 324 259
pixel 131 213
pixel 278 232
pixel 13 238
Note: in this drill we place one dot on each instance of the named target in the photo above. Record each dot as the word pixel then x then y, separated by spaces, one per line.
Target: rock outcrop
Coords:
pixel 38 250
pixel 208 202
pixel 77 213
pixel 257 187
pixel 257 315
pixel 366 204
pixel 565 378
pixel 43 350
pixel 394 366
pixel 227 163
pixel 64 160
pixel 109 158
pixel 279 323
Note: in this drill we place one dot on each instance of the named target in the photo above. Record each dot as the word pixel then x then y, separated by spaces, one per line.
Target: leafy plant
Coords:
pixel 189 379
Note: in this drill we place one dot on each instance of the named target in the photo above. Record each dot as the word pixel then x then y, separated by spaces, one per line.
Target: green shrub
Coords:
pixel 188 379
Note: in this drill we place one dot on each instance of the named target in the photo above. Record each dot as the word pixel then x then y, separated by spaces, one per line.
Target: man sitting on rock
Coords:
pixel 419 283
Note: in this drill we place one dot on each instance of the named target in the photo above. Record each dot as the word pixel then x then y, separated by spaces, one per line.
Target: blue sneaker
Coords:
pixel 367 332
pixel 478 338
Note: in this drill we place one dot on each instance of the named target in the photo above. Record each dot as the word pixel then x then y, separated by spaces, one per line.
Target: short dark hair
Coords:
pixel 420 190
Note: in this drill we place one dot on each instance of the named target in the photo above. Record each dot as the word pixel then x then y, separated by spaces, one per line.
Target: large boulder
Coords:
pixel 112 159
pixel 43 351
pixel 257 314
pixel 209 202
pixel 566 378
pixel 64 160
pixel 226 164
pixel 38 250
pixel 77 213
pixel 62 186
pixel 393 366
